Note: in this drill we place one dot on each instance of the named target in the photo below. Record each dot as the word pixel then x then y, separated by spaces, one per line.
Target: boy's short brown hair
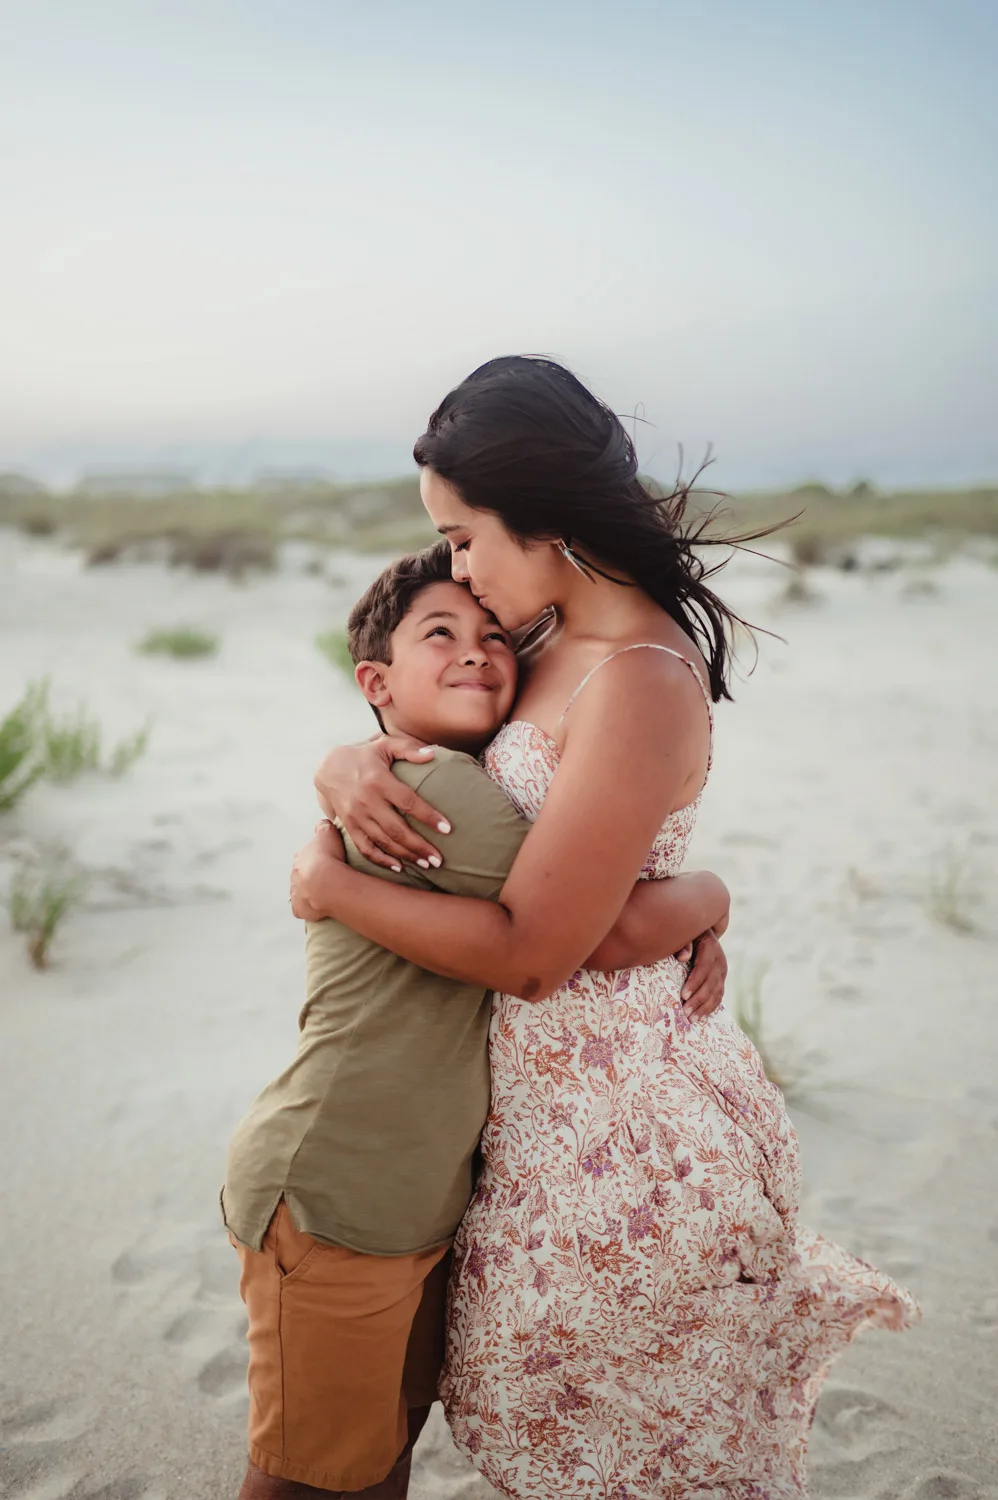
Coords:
pixel 380 611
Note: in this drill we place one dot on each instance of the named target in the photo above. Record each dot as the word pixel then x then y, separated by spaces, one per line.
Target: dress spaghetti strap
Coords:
pixel 653 646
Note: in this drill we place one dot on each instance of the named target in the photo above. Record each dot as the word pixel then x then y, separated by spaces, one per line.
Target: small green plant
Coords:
pixel 920 588
pixel 951 895
pixel 747 1009
pixel 333 645
pixel 807 549
pixel 38 902
pixel 180 641
pixel 34 744
pixel 70 746
pixel 798 591
pixel 21 765
pixel 128 751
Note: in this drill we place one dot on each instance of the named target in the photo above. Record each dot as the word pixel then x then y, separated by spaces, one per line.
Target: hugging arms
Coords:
pixel 573 898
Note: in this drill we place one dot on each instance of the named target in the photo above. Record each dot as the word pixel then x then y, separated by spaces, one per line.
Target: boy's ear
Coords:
pixel 370 678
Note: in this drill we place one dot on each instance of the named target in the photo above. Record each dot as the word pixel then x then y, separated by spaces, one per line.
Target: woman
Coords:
pixel 635 1311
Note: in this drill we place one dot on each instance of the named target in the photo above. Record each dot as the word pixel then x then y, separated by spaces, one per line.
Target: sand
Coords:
pixel 860 759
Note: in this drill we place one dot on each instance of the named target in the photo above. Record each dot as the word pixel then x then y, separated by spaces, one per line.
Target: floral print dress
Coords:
pixel 635 1311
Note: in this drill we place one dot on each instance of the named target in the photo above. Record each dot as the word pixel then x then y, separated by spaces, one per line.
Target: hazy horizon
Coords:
pixel 253 235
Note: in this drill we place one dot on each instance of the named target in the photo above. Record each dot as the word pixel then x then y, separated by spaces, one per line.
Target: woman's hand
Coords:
pixel 309 862
pixel 704 988
pixel 357 781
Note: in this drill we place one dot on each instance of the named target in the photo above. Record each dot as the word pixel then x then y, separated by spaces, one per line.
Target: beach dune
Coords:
pixel 853 810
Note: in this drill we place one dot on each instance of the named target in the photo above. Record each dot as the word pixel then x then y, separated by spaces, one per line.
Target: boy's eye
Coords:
pixel 497 635
pixel 438 630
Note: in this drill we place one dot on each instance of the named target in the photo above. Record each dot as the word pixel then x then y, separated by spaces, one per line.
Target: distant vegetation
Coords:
pixel 333 645
pixel 238 531
pixel 231 531
pixel 180 641
pixel 830 519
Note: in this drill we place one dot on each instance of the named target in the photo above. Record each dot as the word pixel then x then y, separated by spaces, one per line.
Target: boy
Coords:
pixel 348 1177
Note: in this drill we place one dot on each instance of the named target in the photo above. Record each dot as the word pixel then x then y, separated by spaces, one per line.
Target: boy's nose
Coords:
pixel 475 656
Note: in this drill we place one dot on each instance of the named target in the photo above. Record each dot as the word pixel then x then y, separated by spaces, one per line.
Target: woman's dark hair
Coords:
pixel 523 438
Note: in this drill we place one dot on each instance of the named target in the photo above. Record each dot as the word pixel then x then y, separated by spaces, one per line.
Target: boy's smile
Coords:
pixel 452 676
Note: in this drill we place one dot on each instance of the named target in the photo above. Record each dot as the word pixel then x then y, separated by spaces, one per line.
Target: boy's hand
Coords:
pixel 704 987
pixel 357 781
pixel 324 845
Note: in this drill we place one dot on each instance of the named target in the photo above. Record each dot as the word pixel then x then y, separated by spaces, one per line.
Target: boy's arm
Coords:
pixel 660 918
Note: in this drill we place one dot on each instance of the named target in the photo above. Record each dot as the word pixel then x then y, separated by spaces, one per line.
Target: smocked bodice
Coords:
pixel 522 760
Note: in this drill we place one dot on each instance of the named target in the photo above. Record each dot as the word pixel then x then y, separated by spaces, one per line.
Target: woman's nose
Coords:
pixel 459 568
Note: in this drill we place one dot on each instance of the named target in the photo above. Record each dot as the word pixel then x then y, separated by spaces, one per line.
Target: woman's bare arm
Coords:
pixel 660 918
pixel 579 862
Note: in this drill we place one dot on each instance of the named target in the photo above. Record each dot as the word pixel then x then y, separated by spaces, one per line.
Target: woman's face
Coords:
pixel 515 581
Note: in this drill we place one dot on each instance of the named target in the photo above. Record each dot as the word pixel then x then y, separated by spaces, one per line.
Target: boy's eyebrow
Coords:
pixel 449 614
pixel 438 614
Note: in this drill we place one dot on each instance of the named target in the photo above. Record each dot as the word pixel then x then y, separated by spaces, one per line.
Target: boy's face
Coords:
pixel 452 677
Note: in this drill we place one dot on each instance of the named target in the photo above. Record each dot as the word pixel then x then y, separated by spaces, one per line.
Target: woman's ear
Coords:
pixel 370 678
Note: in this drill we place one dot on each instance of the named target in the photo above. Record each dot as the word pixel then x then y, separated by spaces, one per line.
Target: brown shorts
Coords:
pixel 341 1346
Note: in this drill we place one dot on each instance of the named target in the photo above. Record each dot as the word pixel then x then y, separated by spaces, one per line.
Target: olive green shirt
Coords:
pixel 370 1134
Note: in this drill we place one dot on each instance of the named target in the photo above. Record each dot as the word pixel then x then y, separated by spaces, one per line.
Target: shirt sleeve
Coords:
pixel 487 831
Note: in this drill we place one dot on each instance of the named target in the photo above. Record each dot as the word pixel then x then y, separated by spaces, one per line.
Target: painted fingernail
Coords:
pixel 426 750
pixel 397 869
pixel 436 861
pixel 443 826
pixel 424 864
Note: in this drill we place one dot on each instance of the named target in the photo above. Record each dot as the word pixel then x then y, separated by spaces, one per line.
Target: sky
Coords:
pixel 271 234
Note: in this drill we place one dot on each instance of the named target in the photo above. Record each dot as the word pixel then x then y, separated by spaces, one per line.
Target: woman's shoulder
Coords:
pixel 647 671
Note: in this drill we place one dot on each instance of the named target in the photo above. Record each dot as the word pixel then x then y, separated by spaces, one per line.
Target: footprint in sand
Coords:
pixel 118 1489
pixel 874 1232
pixel 847 992
pixel 39 1457
pixel 944 1487
pixel 225 1373
pixel 865 1475
pixel 984 1315
pixel 838 1205
pixel 43 1421
pixel 867 1428
pixel 133 1268
pixel 852 1416
pixel 190 1291
pixel 218 1270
